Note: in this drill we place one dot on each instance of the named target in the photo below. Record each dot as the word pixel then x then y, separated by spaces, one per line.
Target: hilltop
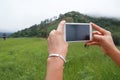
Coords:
pixel 43 29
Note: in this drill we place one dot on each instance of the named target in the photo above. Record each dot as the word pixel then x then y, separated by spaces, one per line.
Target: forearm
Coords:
pixel 115 55
pixel 54 68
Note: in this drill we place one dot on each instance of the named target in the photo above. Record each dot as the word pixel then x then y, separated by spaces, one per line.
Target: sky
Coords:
pixel 20 14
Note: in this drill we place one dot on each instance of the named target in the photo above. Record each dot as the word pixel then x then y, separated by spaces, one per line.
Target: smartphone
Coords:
pixel 76 32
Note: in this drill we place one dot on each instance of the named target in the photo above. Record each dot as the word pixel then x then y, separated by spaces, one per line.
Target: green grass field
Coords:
pixel 25 59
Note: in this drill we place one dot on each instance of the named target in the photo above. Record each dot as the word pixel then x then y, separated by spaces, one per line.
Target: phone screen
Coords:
pixel 77 32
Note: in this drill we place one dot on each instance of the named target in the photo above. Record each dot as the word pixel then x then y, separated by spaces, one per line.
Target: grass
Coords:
pixel 25 59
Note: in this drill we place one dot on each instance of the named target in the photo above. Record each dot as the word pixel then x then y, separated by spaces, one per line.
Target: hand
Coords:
pixel 102 38
pixel 56 43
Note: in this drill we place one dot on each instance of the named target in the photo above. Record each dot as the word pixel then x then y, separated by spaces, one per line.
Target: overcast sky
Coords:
pixel 19 14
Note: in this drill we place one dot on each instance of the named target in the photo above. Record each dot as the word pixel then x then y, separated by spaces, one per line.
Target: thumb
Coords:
pixel 61 26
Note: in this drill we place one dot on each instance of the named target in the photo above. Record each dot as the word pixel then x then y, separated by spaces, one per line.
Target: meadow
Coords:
pixel 25 59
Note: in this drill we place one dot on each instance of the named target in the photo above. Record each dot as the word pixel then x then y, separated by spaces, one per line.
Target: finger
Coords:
pixel 92 43
pixel 61 26
pixel 96 32
pixel 52 32
pixel 88 42
pixel 98 28
pixel 98 38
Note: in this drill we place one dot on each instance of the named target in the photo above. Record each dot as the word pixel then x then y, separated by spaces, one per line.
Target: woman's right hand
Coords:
pixel 102 38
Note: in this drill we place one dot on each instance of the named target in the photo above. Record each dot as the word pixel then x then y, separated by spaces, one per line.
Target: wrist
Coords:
pixel 57 55
pixel 55 61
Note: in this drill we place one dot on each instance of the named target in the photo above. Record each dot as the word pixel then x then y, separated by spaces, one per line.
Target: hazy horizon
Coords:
pixel 18 14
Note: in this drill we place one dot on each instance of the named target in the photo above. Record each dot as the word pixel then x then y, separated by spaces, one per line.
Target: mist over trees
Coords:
pixel 43 29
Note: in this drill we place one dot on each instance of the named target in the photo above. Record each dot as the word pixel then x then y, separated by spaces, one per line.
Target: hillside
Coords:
pixel 43 29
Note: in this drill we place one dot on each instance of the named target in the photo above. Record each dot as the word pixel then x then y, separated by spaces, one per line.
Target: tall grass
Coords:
pixel 25 59
pixel 89 64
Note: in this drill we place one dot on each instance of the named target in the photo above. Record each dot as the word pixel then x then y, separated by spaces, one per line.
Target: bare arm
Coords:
pixel 114 53
pixel 56 44
pixel 54 69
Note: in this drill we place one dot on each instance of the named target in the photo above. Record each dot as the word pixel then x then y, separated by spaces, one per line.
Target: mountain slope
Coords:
pixel 43 29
